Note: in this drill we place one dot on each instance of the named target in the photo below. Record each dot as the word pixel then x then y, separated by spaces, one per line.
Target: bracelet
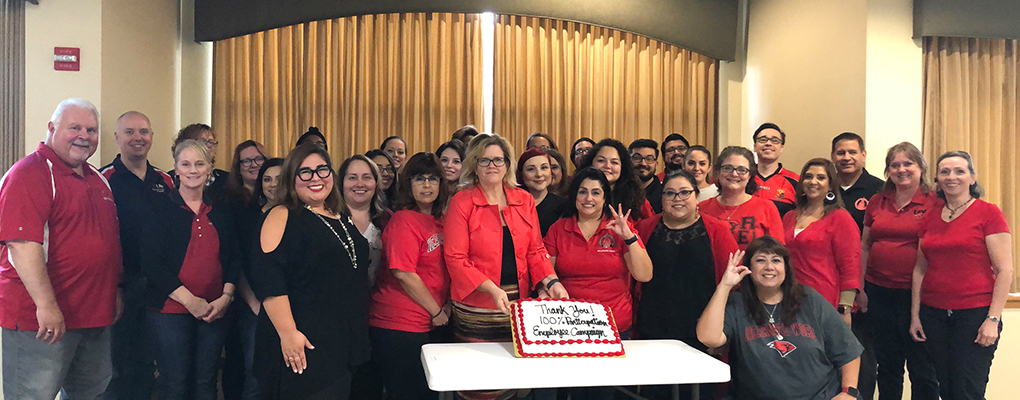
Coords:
pixel 552 281
pixel 631 240
pixel 437 314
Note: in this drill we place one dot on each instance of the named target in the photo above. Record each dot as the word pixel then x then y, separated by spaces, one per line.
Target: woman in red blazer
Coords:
pixel 822 237
pixel 493 244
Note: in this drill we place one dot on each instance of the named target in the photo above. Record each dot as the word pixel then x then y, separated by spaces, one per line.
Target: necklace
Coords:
pixel 351 251
pixel 772 319
pixel 730 215
pixel 952 211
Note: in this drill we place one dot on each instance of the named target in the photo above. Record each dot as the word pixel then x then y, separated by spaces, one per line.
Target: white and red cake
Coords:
pixel 564 328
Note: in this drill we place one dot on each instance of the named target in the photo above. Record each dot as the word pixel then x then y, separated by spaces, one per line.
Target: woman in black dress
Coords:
pixel 310 273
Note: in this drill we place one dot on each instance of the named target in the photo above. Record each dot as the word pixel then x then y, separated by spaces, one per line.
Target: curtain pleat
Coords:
pixel 971 103
pixel 569 80
pixel 358 79
pixel 12 83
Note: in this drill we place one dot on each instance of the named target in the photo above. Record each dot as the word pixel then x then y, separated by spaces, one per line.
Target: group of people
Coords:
pixel 812 285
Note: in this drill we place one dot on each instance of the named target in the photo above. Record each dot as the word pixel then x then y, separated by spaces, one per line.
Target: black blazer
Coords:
pixel 164 244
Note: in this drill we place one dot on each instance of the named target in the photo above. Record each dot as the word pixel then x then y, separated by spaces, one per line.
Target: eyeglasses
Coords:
pixel 498 161
pixel 676 149
pixel 774 140
pixel 581 152
pixel 636 158
pixel 388 170
pixel 306 174
pixel 208 142
pixel 725 169
pixel 679 195
pixel 421 179
pixel 248 162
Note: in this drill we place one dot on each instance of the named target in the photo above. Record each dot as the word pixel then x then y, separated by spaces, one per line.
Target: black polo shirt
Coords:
pixel 653 193
pixel 855 198
pixel 134 197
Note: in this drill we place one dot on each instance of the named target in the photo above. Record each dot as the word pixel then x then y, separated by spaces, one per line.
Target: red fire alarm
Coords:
pixel 66 58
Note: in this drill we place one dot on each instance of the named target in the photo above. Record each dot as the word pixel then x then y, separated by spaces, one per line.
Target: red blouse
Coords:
pixel 827 254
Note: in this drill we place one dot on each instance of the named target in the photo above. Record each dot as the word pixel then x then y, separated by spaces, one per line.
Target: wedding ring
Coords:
pixel 49 331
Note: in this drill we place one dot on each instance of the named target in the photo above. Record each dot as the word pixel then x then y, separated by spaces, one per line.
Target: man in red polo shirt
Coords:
pixel 774 182
pixel 60 263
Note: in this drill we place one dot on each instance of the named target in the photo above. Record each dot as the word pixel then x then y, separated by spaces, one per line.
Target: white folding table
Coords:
pixel 491 366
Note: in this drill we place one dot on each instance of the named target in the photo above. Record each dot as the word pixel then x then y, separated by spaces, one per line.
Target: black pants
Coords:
pixel 889 311
pixel 961 365
pixel 132 351
pixel 864 331
pixel 397 354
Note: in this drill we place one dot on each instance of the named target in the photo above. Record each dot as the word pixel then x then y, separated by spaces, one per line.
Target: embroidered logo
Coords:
pixel 434 242
pixel 158 188
pixel 861 204
pixel 918 213
pixel 607 241
pixel 780 194
pixel 783 347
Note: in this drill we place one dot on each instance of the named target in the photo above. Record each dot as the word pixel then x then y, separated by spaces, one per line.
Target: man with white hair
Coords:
pixel 60 262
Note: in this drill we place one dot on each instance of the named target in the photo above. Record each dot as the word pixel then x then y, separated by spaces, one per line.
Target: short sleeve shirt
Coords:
pixel 894 234
pixel 857 196
pixel 43 200
pixel 780 188
pixel 804 364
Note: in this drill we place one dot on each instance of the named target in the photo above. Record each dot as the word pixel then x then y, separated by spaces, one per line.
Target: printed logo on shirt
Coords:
pixel 861 204
pixel 769 330
pixel 434 242
pixel 783 347
pixel 780 194
pixel 744 230
pixel 607 241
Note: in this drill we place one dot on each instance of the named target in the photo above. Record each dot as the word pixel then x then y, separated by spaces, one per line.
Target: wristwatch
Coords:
pixel 993 318
pixel 844 310
pixel 850 390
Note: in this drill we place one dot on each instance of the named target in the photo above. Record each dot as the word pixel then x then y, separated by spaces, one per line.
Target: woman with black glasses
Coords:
pixel 748 216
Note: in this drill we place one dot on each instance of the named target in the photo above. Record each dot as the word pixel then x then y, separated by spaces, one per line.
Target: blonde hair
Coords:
pixel 477 148
pixel 195 145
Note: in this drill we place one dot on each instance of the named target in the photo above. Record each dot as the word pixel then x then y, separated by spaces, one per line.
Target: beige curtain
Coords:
pixel 358 79
pixel 12 83
pixel 570 79
pixel 971 103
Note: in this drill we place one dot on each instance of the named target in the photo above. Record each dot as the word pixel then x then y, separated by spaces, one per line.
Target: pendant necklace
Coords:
pixel 952 211
pixel 351 251
pixel 730 215
pixel 772 319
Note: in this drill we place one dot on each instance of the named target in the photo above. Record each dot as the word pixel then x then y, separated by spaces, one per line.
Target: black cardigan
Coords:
pixel 164 244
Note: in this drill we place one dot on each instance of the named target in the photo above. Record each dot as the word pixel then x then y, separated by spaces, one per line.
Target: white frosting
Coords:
pixel 564 327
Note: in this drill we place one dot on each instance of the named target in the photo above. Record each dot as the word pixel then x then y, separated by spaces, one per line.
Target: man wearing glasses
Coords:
pixel 774 182
pixel 135 184
pixel 644 153
pixel 674 148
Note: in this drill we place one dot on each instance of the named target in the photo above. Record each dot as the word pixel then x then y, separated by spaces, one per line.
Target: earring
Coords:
pixel 830 198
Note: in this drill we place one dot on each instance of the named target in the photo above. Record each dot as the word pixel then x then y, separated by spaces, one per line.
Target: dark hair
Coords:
pixel 235 183
pixel 976 191
pixel 383 145
pixel 644 144
pixel 463 133
pixel 548 138
pixel 558 189
pixel 527 155
pixel 793 292
pixel 574 147
pixel 420 164
pixel 700 148
pixel 454 144
pixel 682 174
pixel 312 131
pixel 377 210
pixel 288 176
pixel 769 125
pixel 914 154
pixel 580 175
pixel 258 194
pixel 830 171
pixel 627 191
pixel 391 192
pixel 846 136
pixel 752 186
pixel 192 131
pixel 672 137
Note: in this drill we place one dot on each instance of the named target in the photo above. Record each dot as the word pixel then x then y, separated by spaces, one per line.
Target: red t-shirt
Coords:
pixel 894 235
pixel 201 272
pixel 412 242
pixel 593 269
pixel 960 272
pixel 755 217
pixel 43 200
pixel 780 188
pixel 827 254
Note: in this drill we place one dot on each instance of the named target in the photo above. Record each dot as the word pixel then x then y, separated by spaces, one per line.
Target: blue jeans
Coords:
pixel 33 369
pixel 187 355
pixel 246 323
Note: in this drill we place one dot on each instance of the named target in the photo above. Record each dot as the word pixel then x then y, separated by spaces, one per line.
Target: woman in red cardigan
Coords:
pixel 493 244
pixel 824 243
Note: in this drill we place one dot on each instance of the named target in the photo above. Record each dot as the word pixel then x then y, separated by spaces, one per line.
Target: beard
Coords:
pixel 644 174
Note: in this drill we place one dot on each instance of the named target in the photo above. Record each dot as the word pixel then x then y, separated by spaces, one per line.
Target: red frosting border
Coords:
pixel 518 321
